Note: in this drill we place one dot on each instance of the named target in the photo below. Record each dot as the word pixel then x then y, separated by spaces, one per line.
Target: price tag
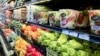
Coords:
pixel 73 33
pixel 84 36
pixel 64 31
pixel 50 52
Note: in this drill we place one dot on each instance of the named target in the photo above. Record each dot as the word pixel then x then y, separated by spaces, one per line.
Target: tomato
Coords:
pixel 34 28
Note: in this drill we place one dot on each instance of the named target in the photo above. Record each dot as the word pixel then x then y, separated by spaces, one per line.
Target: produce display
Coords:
pixel 24 16
pixel 65 45
pixel 32 31
pixel 15 24
pixel 25 49
pixel 10 36
pixel 61 43
pixel 63 18
pixel 21 46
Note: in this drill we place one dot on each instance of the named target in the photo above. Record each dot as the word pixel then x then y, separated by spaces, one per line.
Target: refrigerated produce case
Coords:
pixel 51 33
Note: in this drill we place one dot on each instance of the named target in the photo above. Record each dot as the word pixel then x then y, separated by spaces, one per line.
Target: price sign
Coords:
pixel 64 31
pixel 84 36
pixel 51 52
pixel 73 33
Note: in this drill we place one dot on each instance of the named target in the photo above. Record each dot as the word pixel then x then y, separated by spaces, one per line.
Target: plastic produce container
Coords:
pixel 94 17
pixel 41 17
pixel 54 19
pixel 83 19
pixel 68 18
pixel 39 14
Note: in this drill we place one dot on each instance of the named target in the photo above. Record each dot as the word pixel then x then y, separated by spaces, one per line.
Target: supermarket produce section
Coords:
pixel 49 28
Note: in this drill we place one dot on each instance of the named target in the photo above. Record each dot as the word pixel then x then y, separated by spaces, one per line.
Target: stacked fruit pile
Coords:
pixel 64 45
pixel 25 49
pixel 10 36
pixel 32 31
pixel 20 45
pixel 15 24
pixel 68 46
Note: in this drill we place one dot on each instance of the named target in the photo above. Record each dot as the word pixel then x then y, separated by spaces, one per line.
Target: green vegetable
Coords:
pixel 13 36
pixel 64 54
pixel 86 44
pixel 99 47
pixel 16 24
pixel 50 36
pixel 74 44
pixel 57 34
pixel 53 45
pixel 46 42
pixel 89 51
pixel 97 53
pixel 92 54
pixel 64 48
pixel 41 38
pixel 94 46
pixel 58 49
pixel 71 52
pixel 82 53
pixel 62 39
pixel 79 40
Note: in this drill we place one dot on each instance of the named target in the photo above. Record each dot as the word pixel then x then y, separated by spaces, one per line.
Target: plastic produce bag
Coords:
pixel 54 19
pixel 83 19
pixel 94 17
pixel 68 18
